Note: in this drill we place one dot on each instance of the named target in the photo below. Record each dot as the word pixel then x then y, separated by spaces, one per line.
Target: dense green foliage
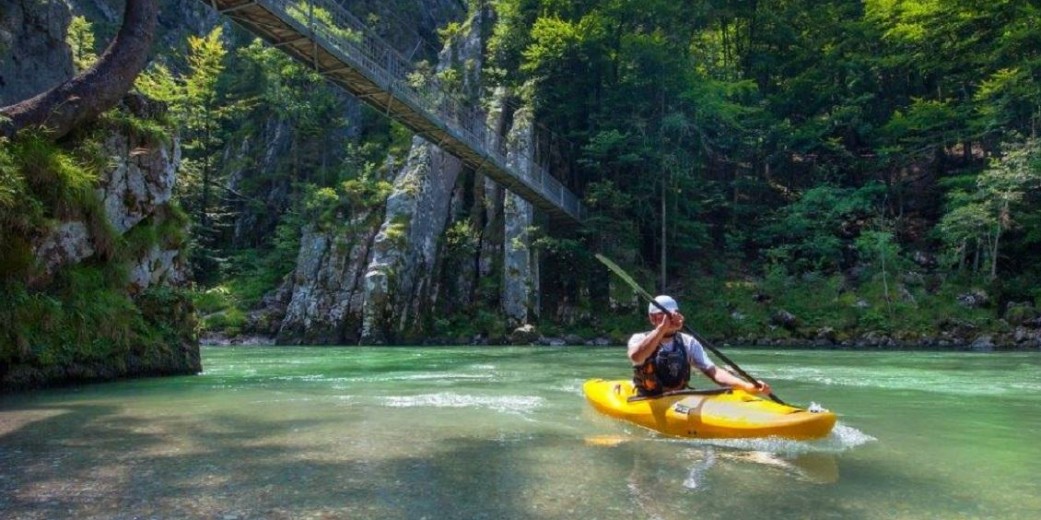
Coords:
pixel 808 148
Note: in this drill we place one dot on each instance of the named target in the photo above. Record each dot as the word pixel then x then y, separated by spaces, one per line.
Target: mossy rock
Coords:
pixel 1020 313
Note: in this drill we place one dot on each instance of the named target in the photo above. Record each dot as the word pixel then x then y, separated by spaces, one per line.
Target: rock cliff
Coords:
pixel 33 53
pixel 444 232
pixel 100 293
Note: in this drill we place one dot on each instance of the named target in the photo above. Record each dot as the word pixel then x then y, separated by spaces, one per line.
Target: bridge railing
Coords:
pixel 334 27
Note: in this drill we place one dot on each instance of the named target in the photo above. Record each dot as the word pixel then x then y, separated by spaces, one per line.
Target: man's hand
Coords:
pixel 674 323
pixel 762 387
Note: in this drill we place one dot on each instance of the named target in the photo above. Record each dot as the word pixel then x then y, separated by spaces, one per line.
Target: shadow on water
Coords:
pixel 85 460
pixel 96 461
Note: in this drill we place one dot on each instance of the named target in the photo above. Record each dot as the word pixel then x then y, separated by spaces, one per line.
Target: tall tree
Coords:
pixel 978 222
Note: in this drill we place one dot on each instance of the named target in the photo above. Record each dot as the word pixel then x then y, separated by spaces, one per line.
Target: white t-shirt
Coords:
pixel 695 352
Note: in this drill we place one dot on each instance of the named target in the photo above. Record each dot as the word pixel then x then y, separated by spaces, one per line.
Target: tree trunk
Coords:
pixel 204 204
pixel 97 89
pixel 994 255
pixel 963 250
pixel 664 238
pixel 976 258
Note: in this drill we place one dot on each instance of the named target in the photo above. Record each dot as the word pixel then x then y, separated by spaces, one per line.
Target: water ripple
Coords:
pixel 504 403
pixel 841 438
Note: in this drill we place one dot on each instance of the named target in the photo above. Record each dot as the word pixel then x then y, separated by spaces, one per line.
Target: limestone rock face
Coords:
pixel 138 186
pixel 274 141
pixel 177 18
pixel 138 232
pixel 399 275
pixel 107 10
pixel 400 281
pixel 278 146
pixel 490 210
pixel 67 243
pixel 158 265
pixel 33 53
pixel 325 306
pixel 141 181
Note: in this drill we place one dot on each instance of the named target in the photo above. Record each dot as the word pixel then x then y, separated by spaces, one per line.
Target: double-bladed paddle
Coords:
pixel 646 295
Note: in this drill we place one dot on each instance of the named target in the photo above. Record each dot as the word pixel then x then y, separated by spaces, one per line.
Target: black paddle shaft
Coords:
pixel 632 283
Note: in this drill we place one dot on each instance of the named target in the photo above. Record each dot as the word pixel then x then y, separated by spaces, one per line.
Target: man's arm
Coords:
pixel 725 378
pixel 641 350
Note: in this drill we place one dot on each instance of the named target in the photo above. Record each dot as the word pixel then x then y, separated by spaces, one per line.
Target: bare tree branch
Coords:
pixel 85 96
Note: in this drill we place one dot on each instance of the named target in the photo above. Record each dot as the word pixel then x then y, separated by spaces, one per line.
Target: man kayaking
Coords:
pixel 662 357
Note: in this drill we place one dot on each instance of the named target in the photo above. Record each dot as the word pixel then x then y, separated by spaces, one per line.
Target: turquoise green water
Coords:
pixel 504 433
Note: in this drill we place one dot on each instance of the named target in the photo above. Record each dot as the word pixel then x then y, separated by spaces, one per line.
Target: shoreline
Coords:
pixel 983 344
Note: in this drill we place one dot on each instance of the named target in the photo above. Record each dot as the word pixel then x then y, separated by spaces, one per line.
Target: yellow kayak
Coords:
pixel 715 413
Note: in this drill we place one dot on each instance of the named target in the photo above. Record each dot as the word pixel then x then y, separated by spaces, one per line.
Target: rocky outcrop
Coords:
pixel 137 186
pixel 327 296
pixel 33 53
pixel 488 211
pixel 264 164
pixel 251 157
pixel 124 244
pixel 143 170
pixel 399 280
pixel 67 243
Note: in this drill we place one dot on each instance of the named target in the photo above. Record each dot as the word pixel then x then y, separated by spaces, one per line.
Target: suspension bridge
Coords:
pixel 329 39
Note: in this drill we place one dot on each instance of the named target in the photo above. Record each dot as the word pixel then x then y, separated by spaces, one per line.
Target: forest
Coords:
pixel 831 173
pixel 881 155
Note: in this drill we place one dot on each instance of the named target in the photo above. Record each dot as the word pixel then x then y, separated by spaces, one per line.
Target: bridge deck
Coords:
pixel 327 38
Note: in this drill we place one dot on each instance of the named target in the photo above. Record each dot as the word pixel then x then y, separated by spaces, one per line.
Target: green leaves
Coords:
pixel 977 220
pixel 294 92
pixel 80 38
pixel 815 232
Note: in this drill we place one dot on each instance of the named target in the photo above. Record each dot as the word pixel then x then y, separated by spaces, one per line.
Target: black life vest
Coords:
pixel 668 368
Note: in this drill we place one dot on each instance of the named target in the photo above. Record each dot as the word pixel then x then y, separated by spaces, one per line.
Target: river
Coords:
pixel 505 433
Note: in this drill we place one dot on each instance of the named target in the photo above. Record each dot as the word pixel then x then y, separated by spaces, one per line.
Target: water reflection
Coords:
pixel 817 467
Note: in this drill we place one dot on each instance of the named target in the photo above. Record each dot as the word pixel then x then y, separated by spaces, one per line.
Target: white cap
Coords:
pixel 665 301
